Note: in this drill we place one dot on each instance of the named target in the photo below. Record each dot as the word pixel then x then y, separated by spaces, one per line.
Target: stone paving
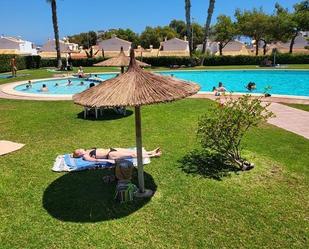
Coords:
pixel 290 119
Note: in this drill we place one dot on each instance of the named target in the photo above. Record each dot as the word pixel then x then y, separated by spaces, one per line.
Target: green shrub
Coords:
pixel 22 62
pixel 84 62
pixel 221 131
pixel 167 61
pixel 291 58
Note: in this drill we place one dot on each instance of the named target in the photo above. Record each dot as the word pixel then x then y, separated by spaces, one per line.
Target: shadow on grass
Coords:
pixel 84 197
pixel 108 114
pixel 199 162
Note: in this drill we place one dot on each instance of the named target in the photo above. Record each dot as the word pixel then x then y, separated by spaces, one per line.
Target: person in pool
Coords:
pixel 111 154
pixel 251 86
pixel 69 83
pixel 44 88
pixel 56 84
pixel 81 83
pixel 91 85
pixel 29 84
pixel 221 88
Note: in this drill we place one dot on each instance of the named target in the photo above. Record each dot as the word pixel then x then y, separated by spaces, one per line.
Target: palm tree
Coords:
pixel 56 31
pixel 207 26
pixel 188 21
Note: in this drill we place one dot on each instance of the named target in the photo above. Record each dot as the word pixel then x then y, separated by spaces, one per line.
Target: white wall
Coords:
pixel 27 48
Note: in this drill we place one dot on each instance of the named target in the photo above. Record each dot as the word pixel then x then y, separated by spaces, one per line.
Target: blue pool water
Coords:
pixel 62 87
pixel 282 82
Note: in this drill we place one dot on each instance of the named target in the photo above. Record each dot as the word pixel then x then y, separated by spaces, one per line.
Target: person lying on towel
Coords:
pixel 109 155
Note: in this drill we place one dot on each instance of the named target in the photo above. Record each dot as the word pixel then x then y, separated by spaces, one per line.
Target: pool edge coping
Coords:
pixel 8 88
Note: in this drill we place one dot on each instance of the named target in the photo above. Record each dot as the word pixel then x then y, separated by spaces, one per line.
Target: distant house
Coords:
pixel 65 46
pixel 175 44
pixel 299 45
pixel 232 48
pixel 211 47
pixel 113 46
pixel 48 50
pixel 174 47
pixel 235 48
pixel 13 45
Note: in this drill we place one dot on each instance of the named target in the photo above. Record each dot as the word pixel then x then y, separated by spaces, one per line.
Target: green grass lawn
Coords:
pixel 299 106
pixel 43 73
pixel 267 207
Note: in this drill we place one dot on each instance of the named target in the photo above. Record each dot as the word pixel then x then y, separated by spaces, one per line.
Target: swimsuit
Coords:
pixel 93 153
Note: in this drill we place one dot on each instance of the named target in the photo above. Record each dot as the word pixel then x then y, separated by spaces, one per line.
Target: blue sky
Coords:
pixel 32 19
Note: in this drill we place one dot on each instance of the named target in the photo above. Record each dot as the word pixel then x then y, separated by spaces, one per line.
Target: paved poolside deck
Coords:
pixel 290 119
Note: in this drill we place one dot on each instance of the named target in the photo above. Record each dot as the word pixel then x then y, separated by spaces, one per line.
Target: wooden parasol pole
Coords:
pixel 140 167
pixel 138 132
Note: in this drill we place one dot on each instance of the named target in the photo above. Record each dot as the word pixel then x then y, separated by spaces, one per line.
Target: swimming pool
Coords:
pixel 62 86
pixel 282 82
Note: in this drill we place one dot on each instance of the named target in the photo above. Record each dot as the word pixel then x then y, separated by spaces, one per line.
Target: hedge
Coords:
pixel 27 62
pixel 22 62
pixel 167 61
pixel 84 62
pixel 256 60
pixel 226 60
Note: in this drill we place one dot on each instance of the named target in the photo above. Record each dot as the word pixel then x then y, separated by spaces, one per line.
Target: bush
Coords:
pixel 22 62
pixel 27 62
pixel 84 62
pixel 222 130
pixel 291 58
pixel 167 61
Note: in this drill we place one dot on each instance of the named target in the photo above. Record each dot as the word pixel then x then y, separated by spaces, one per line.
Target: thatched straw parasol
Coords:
pixel 136 87
pixel 120 61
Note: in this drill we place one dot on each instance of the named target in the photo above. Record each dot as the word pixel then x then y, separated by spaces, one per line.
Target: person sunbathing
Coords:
pixel 109 155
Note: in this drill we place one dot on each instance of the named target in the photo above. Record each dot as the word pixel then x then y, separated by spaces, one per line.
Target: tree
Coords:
pixel 207 27
pixel 188 21
pixel 125 34
pixel 223 31
pixel 289 25
pixel 154 36
pixel 222 129
pixel 270 32
pixel 179 27
pixel 253 24
pixel 56 31
pixel 86 40
pixel 198 34
pixel 207 24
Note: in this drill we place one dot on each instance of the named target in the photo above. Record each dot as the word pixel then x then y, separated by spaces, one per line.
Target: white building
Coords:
pixel 15 45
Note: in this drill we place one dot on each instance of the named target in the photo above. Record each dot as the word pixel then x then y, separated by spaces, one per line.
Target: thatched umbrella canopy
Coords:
pixel 120 61
pixel 136 87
